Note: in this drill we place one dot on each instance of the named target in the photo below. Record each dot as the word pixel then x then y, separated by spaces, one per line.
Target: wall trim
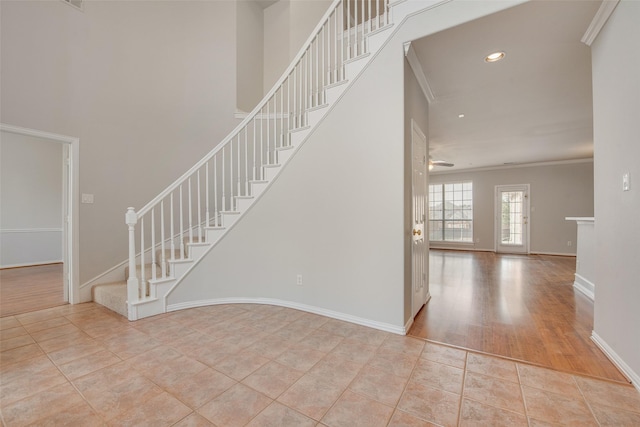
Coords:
pixel 416 67
pixel 459 248
pixel 626 370
pixel 32 230
pixel 514 166
pixel 387 327
pixel 602 15
pixel 31 264
pixel 584 286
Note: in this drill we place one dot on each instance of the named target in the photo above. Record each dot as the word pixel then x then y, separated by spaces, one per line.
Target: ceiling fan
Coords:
pixel 433 163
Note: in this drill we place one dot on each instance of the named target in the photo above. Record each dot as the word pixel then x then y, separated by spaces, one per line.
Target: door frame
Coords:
pixel 425 295
pixel 70 191
pixel 526 215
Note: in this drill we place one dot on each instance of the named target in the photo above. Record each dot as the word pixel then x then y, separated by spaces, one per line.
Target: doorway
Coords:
pixel 68 228
pixel 512 218
pixel 419 247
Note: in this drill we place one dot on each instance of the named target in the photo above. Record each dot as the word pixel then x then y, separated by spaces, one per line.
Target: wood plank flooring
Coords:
pixel 28 289
pixel 522 307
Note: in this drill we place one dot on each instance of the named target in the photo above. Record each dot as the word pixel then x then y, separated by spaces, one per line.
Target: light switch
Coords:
pixel 626 184
pixel 87 198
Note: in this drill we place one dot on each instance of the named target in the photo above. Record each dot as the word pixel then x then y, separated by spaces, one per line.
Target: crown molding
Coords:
pixel 514 166
pixel 414 63
pixel 600 18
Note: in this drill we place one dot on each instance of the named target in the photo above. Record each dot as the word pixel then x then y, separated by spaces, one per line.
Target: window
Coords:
pixel 451 212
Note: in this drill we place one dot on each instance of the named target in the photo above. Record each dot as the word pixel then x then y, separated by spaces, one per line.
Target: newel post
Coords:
pixel 131 218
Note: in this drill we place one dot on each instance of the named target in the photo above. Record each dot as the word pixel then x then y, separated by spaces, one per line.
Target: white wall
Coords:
pixel 334 215
pixel 30 200
pixel 250 55
pixel 616 100
pixel 287 26
pixel 147 87
pixel 337 213
pixel 556 192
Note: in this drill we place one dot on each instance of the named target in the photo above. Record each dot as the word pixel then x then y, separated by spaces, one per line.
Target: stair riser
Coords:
pixel 243 204
pixel 270 173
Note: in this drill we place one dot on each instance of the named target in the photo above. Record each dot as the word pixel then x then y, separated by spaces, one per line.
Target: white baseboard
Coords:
pixel 32 264
pixel 461 248
pixel 400 330
pixel 616 360
pixel 584 286
pixel 551 253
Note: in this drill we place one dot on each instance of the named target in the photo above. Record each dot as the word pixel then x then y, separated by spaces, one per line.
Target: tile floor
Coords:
pixel 260 365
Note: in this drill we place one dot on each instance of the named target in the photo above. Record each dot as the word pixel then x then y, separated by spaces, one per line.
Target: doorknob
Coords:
pixel 418 232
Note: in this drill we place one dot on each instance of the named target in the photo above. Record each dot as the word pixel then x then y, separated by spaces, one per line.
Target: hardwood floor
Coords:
pixel 522 307
pixel 28 289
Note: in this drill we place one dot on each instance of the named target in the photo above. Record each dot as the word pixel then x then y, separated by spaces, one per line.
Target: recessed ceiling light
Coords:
pixel 494 57
pixel 461 116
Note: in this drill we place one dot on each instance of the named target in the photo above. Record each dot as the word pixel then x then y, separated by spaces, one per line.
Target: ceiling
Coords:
pixel 533 106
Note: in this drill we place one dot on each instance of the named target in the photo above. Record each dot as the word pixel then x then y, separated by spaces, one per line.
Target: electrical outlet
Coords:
pixel 299 280
pixel 569 243
pixel 87 198
pixel 626 184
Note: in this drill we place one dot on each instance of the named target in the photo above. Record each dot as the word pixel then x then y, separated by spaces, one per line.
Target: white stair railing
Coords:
pixel 201 197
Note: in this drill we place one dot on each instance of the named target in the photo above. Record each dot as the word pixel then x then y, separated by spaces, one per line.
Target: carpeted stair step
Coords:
pixel 112 296
pixel 147 272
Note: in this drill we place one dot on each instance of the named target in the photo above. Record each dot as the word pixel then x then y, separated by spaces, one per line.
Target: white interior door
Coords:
pixel 512 218
pixel 419 247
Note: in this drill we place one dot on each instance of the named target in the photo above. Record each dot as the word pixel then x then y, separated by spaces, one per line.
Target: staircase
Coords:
pixel 176 229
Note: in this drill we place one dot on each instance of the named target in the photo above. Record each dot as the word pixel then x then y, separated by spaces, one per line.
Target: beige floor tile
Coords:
pixel 352 410
pixel 235 407
pixel 430 404
pixel 75 351
pixel 322 341
pixel 369 336
pixel 399 364
pixel 300 357
pixel 273 379
pixel 293 333
pixel 64 341
pixel 9 333
pixel 493 391
pixel 15 342
pixel 609 394
pixel 310 320
pixel 379 385
pixel 402 419
pixel 113 400
pixel 492 366
pixel 41 405
pixel 77 416
pixel 548 380
pixel 608 416
pixel 20 354
pixel 338 327
pixel 311 396
pixel 47 324
pixel 211 353
pixel 239 366
pixel 555 408
pixel 477 414
pixel 88 364
pixel 36 316
pixel 9 322
pixel 336 369
pixel 270 347
pixel 278 415
pixel 403 344
pixel 162 410
pixel 131 343
pixel 30 385
pixel 354 350
pixel 50 333
pixel 25 368
pixel 196 390
pixel 438 375
pixel 194 420
pixel 443 354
